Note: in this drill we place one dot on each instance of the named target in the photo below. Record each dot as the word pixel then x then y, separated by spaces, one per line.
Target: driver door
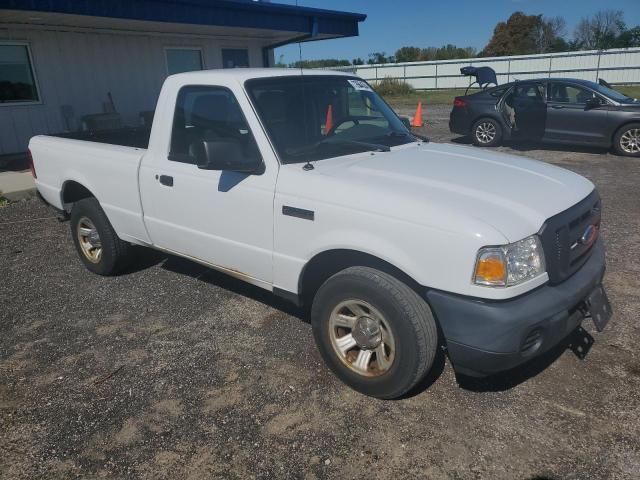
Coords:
pixel 570 119
pixel 222 218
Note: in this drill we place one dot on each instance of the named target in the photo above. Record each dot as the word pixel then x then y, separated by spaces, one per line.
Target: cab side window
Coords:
pixel 531 91
pixel 207 114
pixel 565 93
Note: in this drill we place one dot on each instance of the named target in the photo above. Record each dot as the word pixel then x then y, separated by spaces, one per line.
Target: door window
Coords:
pixel 531 91
pixel 565 93
pixel 204 115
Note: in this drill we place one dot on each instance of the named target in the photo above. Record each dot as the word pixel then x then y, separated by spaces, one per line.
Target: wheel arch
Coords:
pixel 329 262
pixel 616 130
pixel 495 116
pixel 72 191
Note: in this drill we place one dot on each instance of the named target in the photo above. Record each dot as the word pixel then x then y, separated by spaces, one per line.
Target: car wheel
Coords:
pixel 97 243
pixel 374 332
pixel 486 132
pixel 626 141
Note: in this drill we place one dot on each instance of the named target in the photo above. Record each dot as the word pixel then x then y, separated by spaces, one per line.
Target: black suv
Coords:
pixel 569 111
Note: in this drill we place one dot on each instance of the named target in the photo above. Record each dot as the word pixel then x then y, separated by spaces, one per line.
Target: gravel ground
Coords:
pixel 175 371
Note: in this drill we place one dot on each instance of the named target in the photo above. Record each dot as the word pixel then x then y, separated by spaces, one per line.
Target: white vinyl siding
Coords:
pixel 77 69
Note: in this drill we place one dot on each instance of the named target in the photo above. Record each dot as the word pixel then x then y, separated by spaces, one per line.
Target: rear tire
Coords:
pixel 486 132
pixel 98 245
pixel 374 332
pixel 626 141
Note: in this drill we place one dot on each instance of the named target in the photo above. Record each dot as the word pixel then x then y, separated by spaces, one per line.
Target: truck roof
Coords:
pixel 242 74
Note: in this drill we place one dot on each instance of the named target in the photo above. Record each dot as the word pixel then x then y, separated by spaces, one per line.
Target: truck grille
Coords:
pixel 568 238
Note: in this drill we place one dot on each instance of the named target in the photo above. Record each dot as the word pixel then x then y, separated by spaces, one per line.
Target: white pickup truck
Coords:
pixel 307 184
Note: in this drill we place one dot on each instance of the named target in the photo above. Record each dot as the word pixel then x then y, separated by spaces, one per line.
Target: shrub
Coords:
pixel 393 86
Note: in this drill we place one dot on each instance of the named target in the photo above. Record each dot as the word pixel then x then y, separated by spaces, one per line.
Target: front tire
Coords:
pixel 96 241
pixel 374 332
pixel 486 132
pixel 626 141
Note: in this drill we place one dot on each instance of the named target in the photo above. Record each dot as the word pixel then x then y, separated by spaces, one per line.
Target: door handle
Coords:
pixel 557 107
pixel 166 180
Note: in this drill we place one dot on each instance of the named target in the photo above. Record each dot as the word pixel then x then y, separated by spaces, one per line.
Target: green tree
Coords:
pixel 629 38
pixel 516 36
pixel 446 52
pixel 379 57
pixel 324 63
pixel 600 31
pixel 549 34
pixel 408 54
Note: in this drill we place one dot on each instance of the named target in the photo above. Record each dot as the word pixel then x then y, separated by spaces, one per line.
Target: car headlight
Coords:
pixel 509 265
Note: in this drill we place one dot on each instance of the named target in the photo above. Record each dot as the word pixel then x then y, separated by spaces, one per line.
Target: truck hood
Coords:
pixel 462 187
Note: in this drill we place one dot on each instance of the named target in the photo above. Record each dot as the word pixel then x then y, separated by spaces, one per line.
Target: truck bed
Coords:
pixel 137 137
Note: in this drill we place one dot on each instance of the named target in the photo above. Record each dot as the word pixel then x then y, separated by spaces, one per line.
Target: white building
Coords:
pixel 66 65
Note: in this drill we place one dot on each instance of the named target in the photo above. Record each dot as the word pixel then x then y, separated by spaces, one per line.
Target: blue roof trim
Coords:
pixel 225 13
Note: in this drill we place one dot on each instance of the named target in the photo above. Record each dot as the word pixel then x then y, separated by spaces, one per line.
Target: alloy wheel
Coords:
pixel 361 337
pixel 89 240
pixel 630 141
pixel 486 132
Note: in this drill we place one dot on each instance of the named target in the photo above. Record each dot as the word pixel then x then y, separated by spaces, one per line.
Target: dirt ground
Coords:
pixel 175 371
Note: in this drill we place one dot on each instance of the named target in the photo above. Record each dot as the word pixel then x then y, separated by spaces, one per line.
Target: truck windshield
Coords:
pixel 314 117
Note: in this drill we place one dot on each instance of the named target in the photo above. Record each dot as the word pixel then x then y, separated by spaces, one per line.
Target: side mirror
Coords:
pixel 228 155
pixel 594 102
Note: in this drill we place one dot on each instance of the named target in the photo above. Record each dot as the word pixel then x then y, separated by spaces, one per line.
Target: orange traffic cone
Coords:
pixel 328 124
pixel 417 119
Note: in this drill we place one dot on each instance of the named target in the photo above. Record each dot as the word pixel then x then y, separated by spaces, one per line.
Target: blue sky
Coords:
pixel 424 23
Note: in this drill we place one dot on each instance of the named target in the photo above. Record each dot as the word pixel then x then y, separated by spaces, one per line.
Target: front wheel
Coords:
pixel 486 132
pixel 626 141
pixel 374 332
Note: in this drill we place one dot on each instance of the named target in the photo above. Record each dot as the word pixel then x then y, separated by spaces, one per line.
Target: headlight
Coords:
pixel 511 264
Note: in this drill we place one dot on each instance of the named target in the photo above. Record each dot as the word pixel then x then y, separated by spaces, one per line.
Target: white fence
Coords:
pixel 616 66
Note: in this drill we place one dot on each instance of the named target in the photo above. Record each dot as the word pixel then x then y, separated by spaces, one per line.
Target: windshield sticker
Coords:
pixel 360 85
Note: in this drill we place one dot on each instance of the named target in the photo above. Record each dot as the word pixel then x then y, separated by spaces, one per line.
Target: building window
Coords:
pixel 17 79
pixel 235 58
pixel 181 60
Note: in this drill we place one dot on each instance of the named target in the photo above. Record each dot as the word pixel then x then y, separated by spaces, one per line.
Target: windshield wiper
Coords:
pixel 407 134
pixel 372 147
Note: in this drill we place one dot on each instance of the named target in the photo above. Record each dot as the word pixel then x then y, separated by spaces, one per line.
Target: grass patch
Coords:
pixel 632 91
pixel 393 87
pixel 427 97
pixel 4 202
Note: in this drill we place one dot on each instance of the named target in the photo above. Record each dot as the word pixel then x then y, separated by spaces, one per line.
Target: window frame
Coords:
pixel 179 158
pixel 246 49
pixel 36 84
pixel 535 83
pixel 577 86
pixel 183 47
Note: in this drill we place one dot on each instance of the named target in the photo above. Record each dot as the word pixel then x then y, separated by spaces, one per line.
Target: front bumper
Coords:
pixel 485 337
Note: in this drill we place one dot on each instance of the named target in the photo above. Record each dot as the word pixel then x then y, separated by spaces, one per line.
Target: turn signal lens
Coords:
pixel 491 268
pixel 508 265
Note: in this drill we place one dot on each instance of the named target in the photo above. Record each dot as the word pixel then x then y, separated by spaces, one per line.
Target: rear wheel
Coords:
pixel 626 141
pixel 97 243
pixel 374 332
pixel 486 132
